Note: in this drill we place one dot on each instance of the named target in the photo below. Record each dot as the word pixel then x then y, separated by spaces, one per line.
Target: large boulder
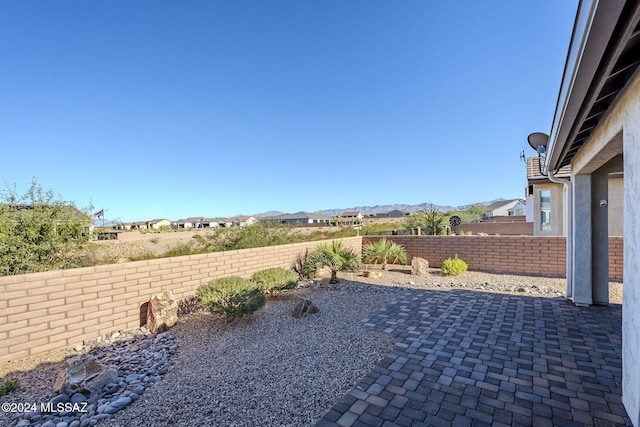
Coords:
pixel 419 266
pixel 162 312
pixel 303 308
pixel 84 375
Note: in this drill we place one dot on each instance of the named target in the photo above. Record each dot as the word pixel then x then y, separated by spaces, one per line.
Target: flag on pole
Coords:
pixel 99 214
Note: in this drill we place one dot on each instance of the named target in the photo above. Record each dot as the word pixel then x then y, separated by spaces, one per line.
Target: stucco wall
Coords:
pixel 630 111
pixel 619 132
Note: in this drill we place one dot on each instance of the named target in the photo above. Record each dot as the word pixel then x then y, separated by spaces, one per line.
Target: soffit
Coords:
pixel 617 65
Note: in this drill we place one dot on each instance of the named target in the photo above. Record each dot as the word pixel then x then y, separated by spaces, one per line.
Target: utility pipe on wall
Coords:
pixel 569 230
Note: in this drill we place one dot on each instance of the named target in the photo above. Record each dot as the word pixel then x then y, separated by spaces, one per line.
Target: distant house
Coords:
pixel 242 221
pixel 350 218
pixel 157 224
pixel 209 223
pixel 305 218
pixel 518 209
pixel 135 225
pixel 191 222
pixel 500 208
pixel 396 213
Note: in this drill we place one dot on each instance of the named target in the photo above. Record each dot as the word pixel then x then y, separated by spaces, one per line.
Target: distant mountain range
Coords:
pixel 370 210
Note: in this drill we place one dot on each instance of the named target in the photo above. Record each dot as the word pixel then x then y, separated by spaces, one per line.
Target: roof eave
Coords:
pixel 593 27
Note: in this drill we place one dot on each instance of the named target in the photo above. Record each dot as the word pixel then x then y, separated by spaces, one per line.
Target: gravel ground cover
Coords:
pixel 270 368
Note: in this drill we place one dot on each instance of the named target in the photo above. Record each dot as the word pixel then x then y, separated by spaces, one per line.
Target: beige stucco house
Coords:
pixel 596 131
pixel 545 201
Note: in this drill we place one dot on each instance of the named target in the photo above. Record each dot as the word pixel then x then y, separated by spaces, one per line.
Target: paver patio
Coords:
pixel 467 358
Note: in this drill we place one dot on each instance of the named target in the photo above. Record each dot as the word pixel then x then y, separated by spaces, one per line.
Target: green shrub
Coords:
pixel 38 230
pixel 454 266
pixel 305 266
pixel 385 252
pixel 276 279
pixel 335 257
pixel 231 296
pixel 8 386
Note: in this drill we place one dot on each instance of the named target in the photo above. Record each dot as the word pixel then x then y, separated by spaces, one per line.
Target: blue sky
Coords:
pixel 167 109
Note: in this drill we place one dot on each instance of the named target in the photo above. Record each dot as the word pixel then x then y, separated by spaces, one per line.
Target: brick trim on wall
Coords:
pixel 41 312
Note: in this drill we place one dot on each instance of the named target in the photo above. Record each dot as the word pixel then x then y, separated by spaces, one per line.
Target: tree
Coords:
pixel 431 221
pixel 336 257
pixel 39 231
pixel 384 251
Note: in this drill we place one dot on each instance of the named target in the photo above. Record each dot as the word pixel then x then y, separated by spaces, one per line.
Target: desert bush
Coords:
pixel 273 280
pixel 454 266
pixel 305 266
pixel 431 221
pixel 9 385
pixel 385 252
pixel 38 230
pixel 231 296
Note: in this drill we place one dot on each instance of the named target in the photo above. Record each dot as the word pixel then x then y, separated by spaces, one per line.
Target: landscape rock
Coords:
pixel 303 308
pixel 419 266
pixel 162 312
pixel 84 375
pixel 371 274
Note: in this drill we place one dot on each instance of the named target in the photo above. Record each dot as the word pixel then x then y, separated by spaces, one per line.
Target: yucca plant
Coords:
pixel 335 257
pixel 385 252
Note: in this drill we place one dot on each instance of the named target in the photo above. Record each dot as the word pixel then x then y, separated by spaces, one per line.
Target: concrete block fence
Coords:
pixel 535 255
pixel 41 312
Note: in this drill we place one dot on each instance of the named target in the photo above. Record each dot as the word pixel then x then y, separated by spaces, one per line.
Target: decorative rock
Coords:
pixel 84 375
pixel 121 403
pixel 367 273
pixel 131 378
pixel 61 398
pixel 78 398
pixel 139 356
pixel 303 308
pixel 419 266
pixel 162 312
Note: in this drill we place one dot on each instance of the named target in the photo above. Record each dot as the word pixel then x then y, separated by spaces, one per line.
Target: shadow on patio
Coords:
pixel 466 358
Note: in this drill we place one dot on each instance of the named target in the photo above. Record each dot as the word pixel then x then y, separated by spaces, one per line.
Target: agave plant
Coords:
pixel 385 252
pixel 336 257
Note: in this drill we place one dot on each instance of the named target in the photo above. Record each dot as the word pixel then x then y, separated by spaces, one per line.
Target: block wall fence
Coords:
pixel 535 255
pixel 41 312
